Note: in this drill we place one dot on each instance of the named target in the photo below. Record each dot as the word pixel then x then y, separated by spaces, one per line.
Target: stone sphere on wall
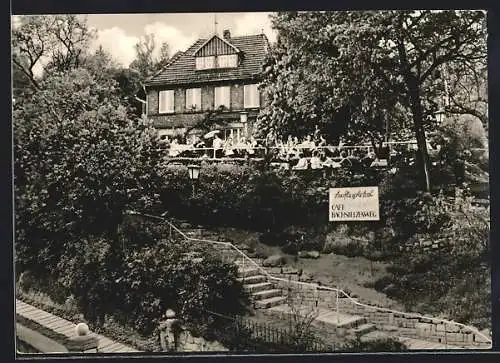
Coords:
pixel 82 329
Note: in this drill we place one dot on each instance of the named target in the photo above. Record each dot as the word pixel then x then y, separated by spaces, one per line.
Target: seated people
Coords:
pixel 344 160
pixel 316 162
pixel 368 159
pixel 175 149
pixel 379 163
pixel 251 145
pixel 240 148
pixel 228 147
pixel 302 164
pixel 308 145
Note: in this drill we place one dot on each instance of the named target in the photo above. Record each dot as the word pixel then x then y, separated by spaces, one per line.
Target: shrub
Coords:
pixel 378 345
pixel 351 249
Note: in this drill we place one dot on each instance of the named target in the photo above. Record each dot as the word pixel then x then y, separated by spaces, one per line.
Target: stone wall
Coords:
pixel 414 327
pixel 400 324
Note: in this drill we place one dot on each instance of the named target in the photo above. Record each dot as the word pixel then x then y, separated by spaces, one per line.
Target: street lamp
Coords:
pixel 194 174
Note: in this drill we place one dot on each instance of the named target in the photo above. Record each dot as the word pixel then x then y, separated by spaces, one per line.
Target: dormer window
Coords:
pixel 219 61
pixel 205 62
pixel 216 52
pixel 227 61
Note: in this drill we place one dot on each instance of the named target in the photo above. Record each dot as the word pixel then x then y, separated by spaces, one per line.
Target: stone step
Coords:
pixel 267 303
pixel 354 322
pixel 364 329
pixel 255 279
pixel 260 286
pixel 251 271
pixel 329 318
pixel 240 263
pixel 374 335
pixel 266 294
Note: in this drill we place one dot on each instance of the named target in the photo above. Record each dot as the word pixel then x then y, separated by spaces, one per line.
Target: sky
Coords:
pixel 118 33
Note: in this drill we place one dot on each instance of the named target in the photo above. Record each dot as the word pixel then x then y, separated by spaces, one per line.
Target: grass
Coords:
pixel 352 274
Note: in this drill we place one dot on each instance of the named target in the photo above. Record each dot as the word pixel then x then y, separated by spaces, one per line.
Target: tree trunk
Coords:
pixel 422 154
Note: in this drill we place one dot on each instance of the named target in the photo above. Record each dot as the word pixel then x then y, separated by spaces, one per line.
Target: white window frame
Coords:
pixel 166 101
pixel 222 96
pixel 236 133
pixel 205 62
pixel 227 61
pixel 193 98
pixel 251 96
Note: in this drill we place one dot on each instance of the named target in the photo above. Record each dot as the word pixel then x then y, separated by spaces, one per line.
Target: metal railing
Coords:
pixel 339 293
pixel 254 151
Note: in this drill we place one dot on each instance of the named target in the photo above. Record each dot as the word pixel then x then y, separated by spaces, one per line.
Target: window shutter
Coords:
pixel 251 96
pixel 162 101
pixel 246 96
pixel 197 97
pixel 217 97
pixel 256 95
pixel 188 98
pixel 227 96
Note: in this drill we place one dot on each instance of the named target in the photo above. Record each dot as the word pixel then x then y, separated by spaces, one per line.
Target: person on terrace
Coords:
pixel 302 164
pixel 316 161
pixel 217 144
pixel 344 160
pixel 228 147
pixel 174 148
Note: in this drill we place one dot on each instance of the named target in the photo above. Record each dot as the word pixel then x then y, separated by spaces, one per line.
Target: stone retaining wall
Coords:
pixel 401 324
pixel 414 327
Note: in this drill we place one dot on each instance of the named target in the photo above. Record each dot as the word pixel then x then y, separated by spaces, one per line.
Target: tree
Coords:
pixel 146 63
pixel 374 66
pixel 466 89
pixel 50 42
pixel 79 163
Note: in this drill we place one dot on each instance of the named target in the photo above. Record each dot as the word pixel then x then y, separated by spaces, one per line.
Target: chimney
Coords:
pixel 227 34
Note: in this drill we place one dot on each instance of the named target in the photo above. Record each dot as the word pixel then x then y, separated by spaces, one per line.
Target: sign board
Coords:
pixel 354 204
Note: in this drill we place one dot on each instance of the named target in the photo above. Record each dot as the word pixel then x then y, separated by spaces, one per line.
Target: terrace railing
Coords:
pixel 337 299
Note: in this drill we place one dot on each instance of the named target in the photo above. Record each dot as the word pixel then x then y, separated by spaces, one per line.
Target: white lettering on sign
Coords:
pixel 354 204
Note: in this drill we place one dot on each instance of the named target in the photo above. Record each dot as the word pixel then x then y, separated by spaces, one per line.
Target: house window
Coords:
pixel 222 97
pixel 193 99
pixel 205 62
pixel 227 61
pixel 235 134
pixel 166 101
pixel 251 96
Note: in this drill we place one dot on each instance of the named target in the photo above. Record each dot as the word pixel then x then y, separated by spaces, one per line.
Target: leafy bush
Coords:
pixel 454 280
pixel 379 345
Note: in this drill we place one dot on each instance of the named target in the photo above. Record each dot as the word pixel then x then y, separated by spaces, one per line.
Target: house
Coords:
pixel 218 73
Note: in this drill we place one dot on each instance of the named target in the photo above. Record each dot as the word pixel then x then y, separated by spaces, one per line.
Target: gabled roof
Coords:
pixel 236 50
pixel 182 70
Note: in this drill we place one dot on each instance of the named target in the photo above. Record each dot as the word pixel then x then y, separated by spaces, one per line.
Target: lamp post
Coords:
pixel 243 120
pixel 194 174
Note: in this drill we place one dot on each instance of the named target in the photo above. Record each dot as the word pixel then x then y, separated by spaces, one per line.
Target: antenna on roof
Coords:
pixel 215 23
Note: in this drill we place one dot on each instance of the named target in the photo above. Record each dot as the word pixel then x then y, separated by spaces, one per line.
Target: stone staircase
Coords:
pixel 265 295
